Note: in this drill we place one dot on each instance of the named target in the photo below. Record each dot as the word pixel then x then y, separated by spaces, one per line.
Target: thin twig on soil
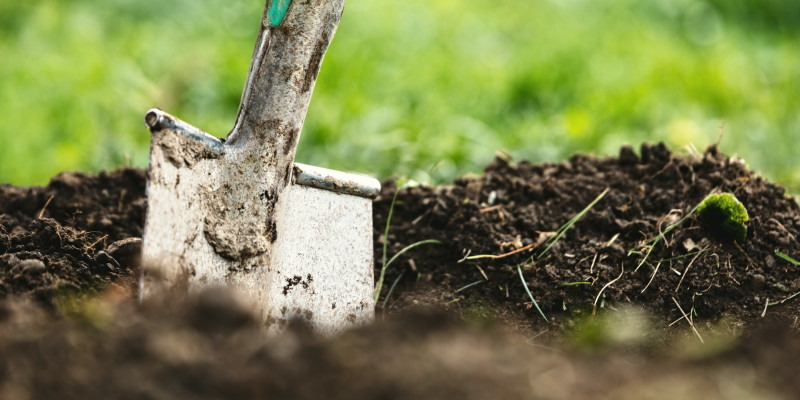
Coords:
pixel 528 291
pixel 686 317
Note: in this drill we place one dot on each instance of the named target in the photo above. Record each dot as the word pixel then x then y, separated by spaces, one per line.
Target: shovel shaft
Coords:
pixel 259 152
pixel 290 46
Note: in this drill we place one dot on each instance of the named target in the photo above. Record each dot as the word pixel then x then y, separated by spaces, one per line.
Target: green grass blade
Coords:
pixel 572 284
pixel 388 222
pixel 391 288
pixel 560 232
pixel 787 258
pixel 411 246
pixel 379 284
pixel 528 291
pixel 471 285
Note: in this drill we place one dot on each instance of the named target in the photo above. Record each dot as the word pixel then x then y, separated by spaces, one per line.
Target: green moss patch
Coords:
pixel 724 216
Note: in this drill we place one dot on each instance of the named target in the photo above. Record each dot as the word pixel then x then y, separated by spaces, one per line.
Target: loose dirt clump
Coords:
pixel 75 236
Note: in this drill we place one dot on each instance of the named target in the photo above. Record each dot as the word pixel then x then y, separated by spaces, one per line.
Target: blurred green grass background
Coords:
pixel 427 89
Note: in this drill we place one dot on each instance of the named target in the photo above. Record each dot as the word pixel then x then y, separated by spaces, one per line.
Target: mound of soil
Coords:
pixel 608 249
pixel 690 314
pixel 78 235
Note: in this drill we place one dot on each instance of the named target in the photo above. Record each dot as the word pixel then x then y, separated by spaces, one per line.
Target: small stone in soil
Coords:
pixel 32 266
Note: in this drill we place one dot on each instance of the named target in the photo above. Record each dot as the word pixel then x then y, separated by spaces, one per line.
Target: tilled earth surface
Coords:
pixel 700 316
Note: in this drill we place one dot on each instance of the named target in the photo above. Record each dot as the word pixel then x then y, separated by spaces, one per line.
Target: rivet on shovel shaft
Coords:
pixel 294 240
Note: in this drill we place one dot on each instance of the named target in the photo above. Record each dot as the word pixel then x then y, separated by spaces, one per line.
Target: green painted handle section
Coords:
pixel 277 12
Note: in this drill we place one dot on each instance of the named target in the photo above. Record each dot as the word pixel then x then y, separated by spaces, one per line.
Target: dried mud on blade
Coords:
pixel 293 240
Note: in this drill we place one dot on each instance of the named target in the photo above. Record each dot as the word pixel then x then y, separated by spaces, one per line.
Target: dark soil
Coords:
pixel 646 195
pixel 75 236
pixel 453 326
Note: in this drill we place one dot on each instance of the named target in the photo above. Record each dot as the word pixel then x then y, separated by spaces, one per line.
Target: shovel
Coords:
pixel 293 240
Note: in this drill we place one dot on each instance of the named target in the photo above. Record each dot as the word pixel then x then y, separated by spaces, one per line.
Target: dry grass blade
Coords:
pixel 651 244
pixel 47 203
pixel 784 300
pixel 594 305
pixel 613 239
pixel 651 277
pixel 91 246
pixel 492 256
pixel 686 317
pixel 482 272
pixel 689 266
pixel 542 238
